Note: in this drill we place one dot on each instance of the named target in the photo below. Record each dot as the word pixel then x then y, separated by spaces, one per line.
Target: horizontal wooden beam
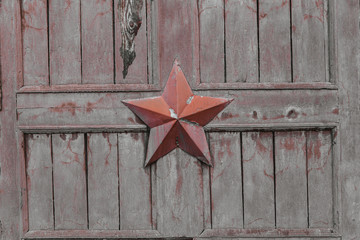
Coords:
pixel 270 233
pixel 155 87
pixel 250 109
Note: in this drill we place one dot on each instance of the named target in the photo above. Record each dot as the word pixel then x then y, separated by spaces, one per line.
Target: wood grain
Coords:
pixel 69 181
pixel 248 107
pixel 12 158
pixel 97 41
pixel 258 169
pixel 309 22
pixel 320 182
pixel 291 182
pixel 178 38
pixel 102 170
pixel 347 33
pixel 179 195
pixel 212 58
pixel 226 181
pixel 241 41
pixel 39 182
pixel 135 183
pixel 35 42
pixel 138 71
pixel 65 42
pixel 274 41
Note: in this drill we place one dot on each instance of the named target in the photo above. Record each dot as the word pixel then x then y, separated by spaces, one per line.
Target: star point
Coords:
pixel 176 118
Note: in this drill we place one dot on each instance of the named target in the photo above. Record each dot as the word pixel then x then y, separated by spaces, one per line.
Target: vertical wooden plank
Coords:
pixel 179 195
pixel 226 181
pixel 308 40
pixel 347 33
pixel 69 181
pixel 274 41
pixel 178 38
pixel 138 70
pixel 12 154
pixel 258 169
pixel 291 184
pixel 65 40
pixel 103 181
pixel 135 183
pixel 39 182
pixel 241 41
pixel 211 18
pixel 97 41
pixel 35 42
pixel 320 182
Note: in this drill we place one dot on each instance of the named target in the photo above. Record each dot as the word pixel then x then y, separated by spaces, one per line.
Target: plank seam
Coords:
pixel 274 172
pixel 48 39
pixel 258 37
pixel 52 178
pixel 86 139
pixel 242 178
pixel 118 159
pixel 307 178
pixel 81 43
pixel 291 44
pixel 224 23
pixel 114 40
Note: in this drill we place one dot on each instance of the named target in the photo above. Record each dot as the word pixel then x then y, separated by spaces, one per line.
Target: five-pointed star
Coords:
pixel 177 118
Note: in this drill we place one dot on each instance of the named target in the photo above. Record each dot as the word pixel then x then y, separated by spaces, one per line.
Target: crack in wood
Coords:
pixel 130 18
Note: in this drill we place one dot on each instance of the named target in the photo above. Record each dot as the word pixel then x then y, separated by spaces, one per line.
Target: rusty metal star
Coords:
pixel 176 118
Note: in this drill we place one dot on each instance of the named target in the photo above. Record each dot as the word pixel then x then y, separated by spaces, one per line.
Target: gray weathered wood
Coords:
pixel 103 195
pixel 97 41
pixel 177 37
pixel 35 42
pixel 309 22
pixel 211 16
pixel 69 181
pixel 290 178
pixel 179 195
pixel 241 41
pixel 258 169
pixel 39 182
pixel 255 107
pixel 13 219
pixel 138 71
pixel 65 42
pixel 274 41
pixel 226 181
pixel 320 182
pixel 135 183
pixel 347 33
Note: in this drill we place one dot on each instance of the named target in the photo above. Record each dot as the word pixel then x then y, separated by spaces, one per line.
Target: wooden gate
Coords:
pixel 285 152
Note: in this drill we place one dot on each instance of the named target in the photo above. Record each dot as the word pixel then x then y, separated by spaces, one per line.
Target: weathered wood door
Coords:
pixel 285 151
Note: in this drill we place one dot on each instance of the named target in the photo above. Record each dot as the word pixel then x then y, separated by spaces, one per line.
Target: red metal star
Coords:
pixel 177 118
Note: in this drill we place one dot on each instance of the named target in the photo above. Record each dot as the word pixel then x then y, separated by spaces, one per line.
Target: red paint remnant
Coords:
pixel 262 15
pixel 292 114
pixel 273 118
pixel 293 28
pixel 288 144
pixel 63 136
pixel 70 107
pixel 68 4
pixel 179 181
pixel 254 115
pixel 227 115
pixel 268 175
pixel 135 136
pixel 336 111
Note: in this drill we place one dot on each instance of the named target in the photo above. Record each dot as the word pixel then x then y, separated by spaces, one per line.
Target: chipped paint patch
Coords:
pixel 172 113
pixel 189 100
